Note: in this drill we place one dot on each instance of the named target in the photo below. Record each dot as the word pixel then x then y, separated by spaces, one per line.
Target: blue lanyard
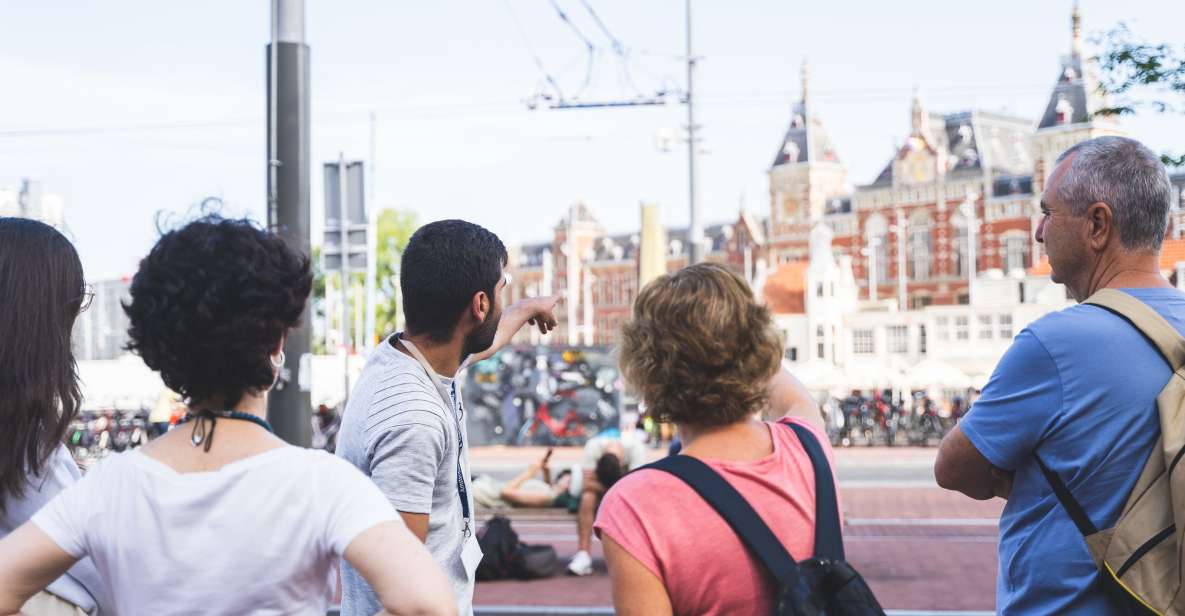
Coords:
pixel 461 490
pixel 458 412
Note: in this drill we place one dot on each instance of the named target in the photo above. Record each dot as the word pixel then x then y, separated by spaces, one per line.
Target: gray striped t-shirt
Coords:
pixel 398 431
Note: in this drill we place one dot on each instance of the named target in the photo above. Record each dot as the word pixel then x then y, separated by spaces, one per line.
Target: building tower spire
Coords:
pixel 918 120
pixel 806 77
pixel 1076 31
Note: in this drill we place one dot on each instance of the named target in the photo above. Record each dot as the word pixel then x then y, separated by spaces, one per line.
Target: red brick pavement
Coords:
pixel 919 548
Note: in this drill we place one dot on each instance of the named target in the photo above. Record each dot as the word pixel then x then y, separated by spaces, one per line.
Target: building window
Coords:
pixel 819 342
pixel 819 290
pixel 792 353
pixel 985 327
pixel 877 232
pixel 898 339
pixel 862 342
pixel 962 263
pixel 943 326
pixel 1016 252
pixel 962 329
pixel 1005 321
pixel 919 252
pixel 921 339
pixel 881 244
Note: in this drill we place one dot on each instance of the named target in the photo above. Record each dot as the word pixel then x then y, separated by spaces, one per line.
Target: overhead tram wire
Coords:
pixel 531 49
pixel 590 48
pixel 720 99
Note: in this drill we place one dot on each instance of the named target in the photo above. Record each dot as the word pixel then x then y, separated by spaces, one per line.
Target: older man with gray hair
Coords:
pixel 1077 389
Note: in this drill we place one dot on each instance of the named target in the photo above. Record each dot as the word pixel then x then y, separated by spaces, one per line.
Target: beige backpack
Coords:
pixel 1140 559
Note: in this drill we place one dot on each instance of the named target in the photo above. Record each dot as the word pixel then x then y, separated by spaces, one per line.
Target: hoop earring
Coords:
pixel 278 364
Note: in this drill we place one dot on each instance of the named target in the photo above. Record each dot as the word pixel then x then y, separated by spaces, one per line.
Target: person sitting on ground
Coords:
pixel 526 491
pixel 606 460
pixel 220 516
pixel 702 354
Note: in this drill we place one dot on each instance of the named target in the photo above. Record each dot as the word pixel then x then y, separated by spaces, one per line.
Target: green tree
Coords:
pixel 395 228
pixel 1139 75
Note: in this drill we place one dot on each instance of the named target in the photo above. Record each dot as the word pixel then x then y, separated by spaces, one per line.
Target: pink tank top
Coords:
pixel 702 563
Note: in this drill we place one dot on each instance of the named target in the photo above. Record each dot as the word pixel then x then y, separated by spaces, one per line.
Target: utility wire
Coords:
pixel 722 99
pixel 590 48
pixel 531 50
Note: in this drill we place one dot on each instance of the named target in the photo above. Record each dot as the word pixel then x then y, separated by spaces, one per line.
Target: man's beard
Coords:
pixel 482 338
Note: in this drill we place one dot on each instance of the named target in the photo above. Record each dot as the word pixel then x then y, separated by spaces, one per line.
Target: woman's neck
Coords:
pixel 250 403
pixel 745 440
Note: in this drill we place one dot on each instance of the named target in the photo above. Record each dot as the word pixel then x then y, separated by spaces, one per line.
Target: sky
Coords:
pixel 134 111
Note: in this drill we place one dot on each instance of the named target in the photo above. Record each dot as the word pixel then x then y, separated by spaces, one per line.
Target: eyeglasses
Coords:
pixel 88 296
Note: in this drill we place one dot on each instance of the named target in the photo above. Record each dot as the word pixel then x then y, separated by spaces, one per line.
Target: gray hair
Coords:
pixel 1127 176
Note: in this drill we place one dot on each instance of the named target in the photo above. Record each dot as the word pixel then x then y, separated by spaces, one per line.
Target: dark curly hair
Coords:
pixel 41 292
pixel 211 303
pixel 699 349
pixel 444 265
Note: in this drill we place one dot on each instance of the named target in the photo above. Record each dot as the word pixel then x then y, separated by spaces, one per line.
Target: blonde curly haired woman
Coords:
pixel 705 356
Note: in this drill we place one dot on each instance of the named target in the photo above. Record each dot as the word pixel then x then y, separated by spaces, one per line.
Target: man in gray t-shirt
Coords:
pixel 404 426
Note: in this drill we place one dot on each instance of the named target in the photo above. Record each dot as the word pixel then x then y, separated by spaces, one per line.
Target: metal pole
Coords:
pixel 287 61
pixel 372 217
pixel 695 233
pixel 901 243
pixel 343 195
pixel 969 214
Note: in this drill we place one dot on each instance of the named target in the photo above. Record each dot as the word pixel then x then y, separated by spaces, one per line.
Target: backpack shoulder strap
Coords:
pixel 1069 503
pixel 1164 336
pixel 735 510
pixel 828 536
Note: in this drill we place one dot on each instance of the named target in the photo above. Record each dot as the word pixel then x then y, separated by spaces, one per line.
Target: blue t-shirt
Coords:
pixel 1077 388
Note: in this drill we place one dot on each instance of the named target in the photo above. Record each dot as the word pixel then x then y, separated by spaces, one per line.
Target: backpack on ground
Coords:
pixel 824 585
pixel 1140 560
pixel 506 558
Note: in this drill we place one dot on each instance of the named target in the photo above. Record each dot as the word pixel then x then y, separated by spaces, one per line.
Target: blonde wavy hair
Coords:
pixel 698 349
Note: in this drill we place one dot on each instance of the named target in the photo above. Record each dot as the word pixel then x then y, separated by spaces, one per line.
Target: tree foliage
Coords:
pixel 394 229
pixel 1139 75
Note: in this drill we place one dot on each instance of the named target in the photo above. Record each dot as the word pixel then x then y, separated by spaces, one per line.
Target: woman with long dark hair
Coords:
pixel 220 516
pixel 41 293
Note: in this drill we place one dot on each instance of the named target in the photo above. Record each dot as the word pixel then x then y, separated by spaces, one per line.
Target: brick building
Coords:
pixel 958 202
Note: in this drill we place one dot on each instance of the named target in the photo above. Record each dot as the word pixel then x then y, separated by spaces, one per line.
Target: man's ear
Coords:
pixel 1100 223
pixel 479 306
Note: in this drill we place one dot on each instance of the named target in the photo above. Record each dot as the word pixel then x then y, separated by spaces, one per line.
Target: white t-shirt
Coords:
pixel 261 535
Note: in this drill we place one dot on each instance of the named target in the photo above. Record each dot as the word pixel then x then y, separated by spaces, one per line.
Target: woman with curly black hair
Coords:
pixel 220 516
pixel 41 294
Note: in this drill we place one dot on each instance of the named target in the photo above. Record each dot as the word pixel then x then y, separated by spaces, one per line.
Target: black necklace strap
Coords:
pixel 201 436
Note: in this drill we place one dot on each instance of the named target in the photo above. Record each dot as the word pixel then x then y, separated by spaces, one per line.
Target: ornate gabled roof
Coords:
pixel 805 140
pixel 969 140
pixel 1008 185
pixel 581 213
pixel 756 227
pixel 1076 95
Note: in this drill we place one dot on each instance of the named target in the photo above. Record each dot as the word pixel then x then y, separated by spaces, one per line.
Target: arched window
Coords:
pixel 920 248
pixel 876 232
pixel 1016 251
pixel 961 253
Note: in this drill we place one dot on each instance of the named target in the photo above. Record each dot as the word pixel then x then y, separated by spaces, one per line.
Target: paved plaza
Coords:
pixel 922 549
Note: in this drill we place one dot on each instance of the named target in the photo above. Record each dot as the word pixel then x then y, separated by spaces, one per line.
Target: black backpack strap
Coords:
pixel 828 535
pixel 1069 503
pixel 735 510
